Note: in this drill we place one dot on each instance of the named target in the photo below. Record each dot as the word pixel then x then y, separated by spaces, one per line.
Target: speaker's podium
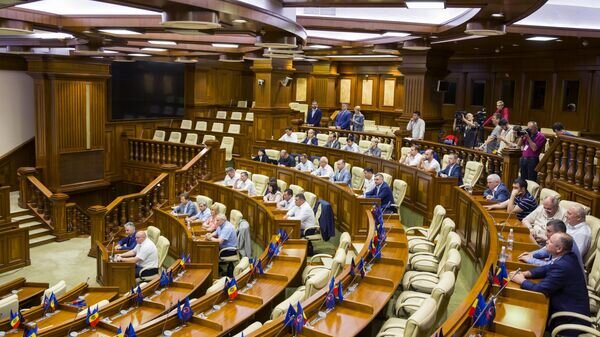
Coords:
pixel 109 273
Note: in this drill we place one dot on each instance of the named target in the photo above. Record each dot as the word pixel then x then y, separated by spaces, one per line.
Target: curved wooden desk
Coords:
pixel 29 293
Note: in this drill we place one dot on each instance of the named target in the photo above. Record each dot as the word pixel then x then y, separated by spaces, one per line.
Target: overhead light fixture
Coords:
pixel 541 38
pixel 485 28
pixel 395 34
pixel 386 48
pixel 231 58
pixel 44 35
pixel 163 43
pixel 110 51
pixel 13 27
pixel 255 56
pixel 369 56
pixel 183 59
pixel 416 4
pixel 139 55
pixel 299 58
pixel 119 31
pixel 456 39
pixel 498 15
pixel 416 45
pixel 153 49
pixel 276 41
pixel 317 46
pixel 239 21
pixel 190 19
pixel 310 60
pixel 225 45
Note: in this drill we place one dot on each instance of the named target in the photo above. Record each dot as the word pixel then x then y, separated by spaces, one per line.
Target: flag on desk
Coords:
pixel 130 331
pixel 289 316
pixel 182 261
pixel 378 249
pixel 188 259
pixel 120 332
pixel 50 303
pixel 331 295
pixel 15 319
pixel 352 268
pixel 31 332
pixel 338 292
pixel 258 266
pixel 273 249
pixel 501 277
pixel 361 267
pixel 377 214
pixel 490 312
pixel 184 312
pixel 232 289
pixel 491 275
pixel 164 279
pixel 139 298
pixel 300 319
pixel 170 276
pixel 477 311
pixel 92 317
pixel 282 236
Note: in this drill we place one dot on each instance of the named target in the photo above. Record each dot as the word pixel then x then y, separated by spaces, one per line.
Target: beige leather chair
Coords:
pixel 430 233
pixel 404 151
pixel 242 104
pixel 424 281
pixel 204 198
pixel 175 137
pixel 424 245
pixel 162 247
pixel 419 324
pixel 410 301
pixel 399 192
pixel 584 330
pixel 363 145
pixel 370 123
pixel 222 114
pixel 296 189
pixel 317 282
pixel 386 150
pixel 311 198
pixel 221 208
pixel 297 296
pixel 240 268
pixel 249 116
pixel 207 138
pixel 593 284
pixel 153 234
pixel 321 138
pixel 335 265
pixel 273 154
pixel 59 289
pixel 191 139
pixel 235 217
pixel 8 304
pixel 473 170
pixel 342 141
pixel 387 178
pixel 358 178
pixel 201 126
pixel 301 136
pixel 159 135
pixel 233 128
pixel 236 115
pixel 186 124
pixel 345 241
pixel 227 144
pixel 282 185
pixel 249 329
pixel 444 162
pixel 238 172
pixel 260 183
pixel 546 192
pixel 217 127
pixel 429 262
pixel 565 204
pixel 534 189
pixel 594 224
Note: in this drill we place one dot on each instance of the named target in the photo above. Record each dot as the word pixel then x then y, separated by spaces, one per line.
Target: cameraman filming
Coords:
pixel 532 143
pixel 465 125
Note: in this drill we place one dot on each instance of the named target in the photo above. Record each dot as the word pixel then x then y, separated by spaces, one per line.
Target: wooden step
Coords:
pixel 31 224
pixel 23 218
pixel 38 232
pixel 41 240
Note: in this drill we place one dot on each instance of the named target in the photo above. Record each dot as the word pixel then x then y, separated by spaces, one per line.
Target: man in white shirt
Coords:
pixel 287 200
pixel 289 136
pixel 369 183
pixel 203 213
pixel 351 145
pixel 416 125
pixel 144 255
pixel 304 164
pixel 302 211
pixel 324 170
pixel 413 158
pixel 428 163
pixel 342 175
pixel 230 177
pixel 536 221
pixel 578 229
pixel 245 184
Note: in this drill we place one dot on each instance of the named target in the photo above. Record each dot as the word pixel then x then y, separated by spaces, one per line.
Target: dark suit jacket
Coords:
pixel 316 119
pixel 502 193
pixel 313 141
pixel 343 120
pixel 289 162
pixel 263 159
pixel 456 172
pixel 386 196
pixel 564 283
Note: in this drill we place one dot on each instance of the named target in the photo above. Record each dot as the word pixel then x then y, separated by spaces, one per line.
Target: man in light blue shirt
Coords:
pixel 342 175
pixel 542 257
pixel 203 212
pixel 225 235
pixel 186 206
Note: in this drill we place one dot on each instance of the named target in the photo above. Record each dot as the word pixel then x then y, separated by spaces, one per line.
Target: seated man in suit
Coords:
pixel 537 220
pixel 374 149
pixel 245 184
pixel 225 235
pixel 144 255
pixel 261 156
pixel 383 191
pixel 342 175
pixel 563 281
pixel 520 202
pixel 314 115
pixel 285 159
pixel 303 212
pixel 324 170
pixel 186 207
pixel 332 141
pixel 496 191
pixel 128 242
pixel 310 139
pixel 542 257
pixel 452 169
pixel 230 177
pixel 343 118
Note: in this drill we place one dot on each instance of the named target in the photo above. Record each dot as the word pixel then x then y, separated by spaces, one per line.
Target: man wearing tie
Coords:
pixel 314 115
pixel 342 121
pixel 452 169
pixel 186 207
pixel 382 190
pixel 342 175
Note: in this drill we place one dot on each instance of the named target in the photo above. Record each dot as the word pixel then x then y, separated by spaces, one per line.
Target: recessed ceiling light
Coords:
pixel 498 15
pixel 183 59
pixel 163 43
pixel 311 60
pixel 119 31
pixel 360 56
pixel 225 45
pixel 50 35
pixel 153 49
pixel 318 46
pixel 559 40
pixel 239 21
pixel 105 51
pixel 395 34
pixel 140 55
pixel 515 45
pixel 87 32
pixel 298 58
pixel 541 38
pixel 416 4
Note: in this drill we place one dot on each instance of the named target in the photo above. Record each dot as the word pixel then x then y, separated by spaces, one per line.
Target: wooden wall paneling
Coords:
pixel 14 249
pixel 573 120
pixel 539 115
pixel 594 120
pixel 489 84
pixel 21 156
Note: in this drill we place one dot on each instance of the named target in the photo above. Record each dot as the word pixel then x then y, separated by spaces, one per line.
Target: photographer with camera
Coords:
pixel 532 143
pixel 465 125
pixel 501 109
pixel 507 136
pixel 491 143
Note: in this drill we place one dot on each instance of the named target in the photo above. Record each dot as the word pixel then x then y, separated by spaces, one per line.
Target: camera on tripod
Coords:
pixel 520 131
pixel 480 116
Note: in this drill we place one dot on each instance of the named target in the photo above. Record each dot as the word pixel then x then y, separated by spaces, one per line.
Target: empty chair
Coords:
pixel 273 154
pixel 217 127
pixel 422 244
pixel 565 204
pixel 58 289
pixel 250 328
pixel 424 261
pixel 546 192
pixel 296 189
pixel 358 178
pixel 419 324
pixel 386 150
pixel 204 198
pixel 301 136
pixel 201 125
pixel 297 296
pixel 439 212
pixel 260 183
pixel 473 170
pixel 191 139
pixel 8 305
pixel 186 124
pixel 233 128
pixel 444 162
pixel 227 144
pixel 319 280
pixel 175 137
pixel 363 145
pixel 153 234
pixel 410 301
pixel 342 140
pixel 249 116
pixel 240 268
pixel 334 264
pixel 311 198
pixel 533 188
pixel 282 185
pixel 221 208
pixel 321 139
pixel 235 217
pixel 399 188
pixel 387 178
pixel 425 281
pixel 159 135
pixel 222 114
pixel 207 138
pixel 236 115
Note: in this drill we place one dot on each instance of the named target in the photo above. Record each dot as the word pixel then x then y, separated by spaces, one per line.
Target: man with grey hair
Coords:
pixel 230 177
pixel 225 235
pixel 374 149
pixel 578 229
pixel 324 170
pixel 128 242
pixel 536 221
pixel 496 191
pixel 203 213
pixel 144 255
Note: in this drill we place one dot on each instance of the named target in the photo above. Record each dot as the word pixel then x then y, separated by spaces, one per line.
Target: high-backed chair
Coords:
pixel 282 185
pixel 342 140
pixel 206 138
pixel 334 265
pixel 159 135
pixel 297 296
pixel 358 178
pixel 162 247
pixel 534 189
pixel 386 150
pixel 429 262
pixel 58 289
pixel 9 304
pixel 387 178
pixel 249 329
pixel 321 139
pixel 594 224
pixel 370 123
pixel 345 241
pixel 419 324
pixel 424 245
pixel 201 125
pixel 236 115
pixel 410 301
pixel 565 204
pixel 546 192
pixel 217 127
pixel 221 208
pixel 221 114
pixel 404 151
pixel 363 145
pixel 424 281
pixel 444 162
pixel 473 170
pixel 191 139
pixel 227 144
pixel 153 234
pixel 319 280
pixel 273 154
pixel 249 116
pixel 296 189
pixel 233 128
pixel 399 188
pixel 186 124
pixel 301 136
pixel 240 268
pixel 175 137
pixel 593 284
pixel 428 234
pixel 260 183
pixel 311 198
pixel 235 217
pixel 204 198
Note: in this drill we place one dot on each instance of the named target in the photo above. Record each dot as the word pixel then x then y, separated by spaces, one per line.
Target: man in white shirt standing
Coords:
pixel 144 255
pixel 287 200
pixel 245 184
pixel 230 177
pixel 369 183
pixel 428 163
pixel 351 145
pixel 413 158
pixel 416 125
pixel 578 229
pixel 304 164
pixel 324 170
pixel 302 211
pixel 289 136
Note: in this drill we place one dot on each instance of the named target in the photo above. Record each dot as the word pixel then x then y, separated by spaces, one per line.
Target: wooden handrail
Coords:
pixel 40 186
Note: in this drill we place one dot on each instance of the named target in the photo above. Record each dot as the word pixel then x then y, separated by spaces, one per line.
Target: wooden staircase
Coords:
pixel 39 232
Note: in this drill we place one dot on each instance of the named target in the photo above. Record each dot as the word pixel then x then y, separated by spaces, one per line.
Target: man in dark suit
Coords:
pixel 496 191
pixel 562 281
pixel 342 120
pixel 452 169
pixel 314 115
pixel 383 191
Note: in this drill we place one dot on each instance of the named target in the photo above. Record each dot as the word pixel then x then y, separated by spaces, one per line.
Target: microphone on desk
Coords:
pixel 500 235
pixel 167 319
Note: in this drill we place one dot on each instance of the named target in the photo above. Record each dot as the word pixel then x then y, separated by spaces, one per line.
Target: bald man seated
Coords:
pixel 144 255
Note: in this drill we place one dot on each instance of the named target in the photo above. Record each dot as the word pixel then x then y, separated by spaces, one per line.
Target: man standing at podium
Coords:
pixel 128 242
pixel 144 255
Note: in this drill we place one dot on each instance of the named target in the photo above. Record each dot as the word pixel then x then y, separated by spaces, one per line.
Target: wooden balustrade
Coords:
pixel 78 220
pixel 158 153
pixel 241 145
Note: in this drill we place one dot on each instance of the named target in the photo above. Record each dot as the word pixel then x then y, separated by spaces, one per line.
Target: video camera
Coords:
pixel 520 131
pixel 480 116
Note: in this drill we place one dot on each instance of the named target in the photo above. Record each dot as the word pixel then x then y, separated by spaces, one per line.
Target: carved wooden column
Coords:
pixel 59 215
pixel 22 174
pixel 510 164
pixel 171 190
pixel 215 160
pixel 97 226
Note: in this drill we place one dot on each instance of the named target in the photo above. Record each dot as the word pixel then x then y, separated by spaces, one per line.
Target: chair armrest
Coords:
pixel 422 230
pixel 318 256
pixel 594 297
pixel 424 277
pixel 228 249
pixel 570 314
pixel 420 254
pixel 405 305
pixel 577 327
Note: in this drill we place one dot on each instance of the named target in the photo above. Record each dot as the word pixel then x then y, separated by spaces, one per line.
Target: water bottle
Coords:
pixel 502 257
pixel 511 240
